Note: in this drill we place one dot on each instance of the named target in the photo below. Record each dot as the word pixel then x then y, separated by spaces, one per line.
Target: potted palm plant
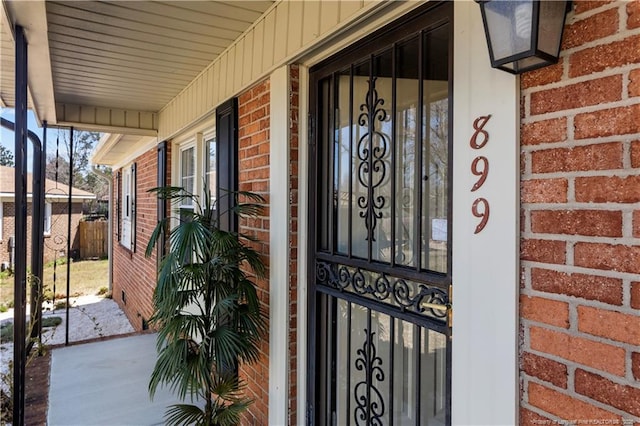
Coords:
pixel 206 310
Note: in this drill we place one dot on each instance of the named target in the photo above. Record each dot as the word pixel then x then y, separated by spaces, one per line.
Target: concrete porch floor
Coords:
pixel 106 383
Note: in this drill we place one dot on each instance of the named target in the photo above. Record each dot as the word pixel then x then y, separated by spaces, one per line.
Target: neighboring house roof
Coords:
pixel 53 189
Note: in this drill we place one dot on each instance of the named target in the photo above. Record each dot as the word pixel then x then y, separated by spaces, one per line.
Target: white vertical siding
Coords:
pixel 329 15
pixel 294 31
pixel 285 31
pixel 247 67
pixel 280 38
pixel 348 8
pixel 134 122
pixel 269 37
pixel 310 22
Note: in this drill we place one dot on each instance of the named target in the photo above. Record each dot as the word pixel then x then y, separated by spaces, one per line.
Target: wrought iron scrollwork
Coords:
pixel 372 149
pixel 405 294
pixel 369 408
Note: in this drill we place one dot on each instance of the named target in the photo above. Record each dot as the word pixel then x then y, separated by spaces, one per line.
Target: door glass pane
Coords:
pixel 436 150
pixel 407 178
pixel 359 196
pixel 210 171
pixel 343 360
pixel 324 188
pixel 343 129
pixel 385 368
pixel 433 377
pixel 188 172
pixel 381 101
pixel 404 377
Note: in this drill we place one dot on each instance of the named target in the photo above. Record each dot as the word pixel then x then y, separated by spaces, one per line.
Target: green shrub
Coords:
pixel 6 332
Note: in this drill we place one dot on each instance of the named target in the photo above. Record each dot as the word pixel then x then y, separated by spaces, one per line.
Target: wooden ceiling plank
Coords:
pixel 160 67
pixel 255 6
pixel 135 31
pixel 218 9
pixel 72 64
pixel 174 18
pixel 106 40
pixel 74 77
pixel 125 53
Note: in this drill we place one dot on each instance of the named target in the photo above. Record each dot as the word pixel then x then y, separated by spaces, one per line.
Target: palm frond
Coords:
pixel 158 231
pixel 230 415
pixel 206 308
pixel 184 414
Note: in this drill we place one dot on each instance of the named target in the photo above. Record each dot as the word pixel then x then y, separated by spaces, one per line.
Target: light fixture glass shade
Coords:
pixel 523 35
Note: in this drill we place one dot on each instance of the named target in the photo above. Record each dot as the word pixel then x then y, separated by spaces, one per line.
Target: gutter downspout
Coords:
pixel 102 175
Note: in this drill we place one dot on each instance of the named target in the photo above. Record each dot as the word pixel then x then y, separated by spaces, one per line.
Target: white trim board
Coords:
pixel 485 265
pixel 279 213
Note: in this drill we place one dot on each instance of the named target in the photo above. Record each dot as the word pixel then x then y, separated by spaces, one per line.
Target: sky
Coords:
pixel 7 138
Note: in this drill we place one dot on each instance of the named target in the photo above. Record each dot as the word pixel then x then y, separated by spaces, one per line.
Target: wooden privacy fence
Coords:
pixel 93 239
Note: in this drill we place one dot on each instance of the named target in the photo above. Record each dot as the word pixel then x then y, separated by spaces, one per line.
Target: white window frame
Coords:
pixel 48 218
pixel 187 204
pixel 127 204
pixel 208 140
pixel 199 142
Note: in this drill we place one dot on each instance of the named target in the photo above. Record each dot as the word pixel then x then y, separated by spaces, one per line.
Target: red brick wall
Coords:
pixel 132 272
pixel 293 242
pixel 580 194
pixel 53 247
pixel 253 147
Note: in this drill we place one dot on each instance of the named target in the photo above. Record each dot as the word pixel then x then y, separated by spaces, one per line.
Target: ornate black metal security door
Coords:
pixel 380 309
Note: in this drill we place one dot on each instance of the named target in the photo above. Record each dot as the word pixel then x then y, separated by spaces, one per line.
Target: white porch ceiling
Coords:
pixel 140 54
pixel 118 58
pixel 7 62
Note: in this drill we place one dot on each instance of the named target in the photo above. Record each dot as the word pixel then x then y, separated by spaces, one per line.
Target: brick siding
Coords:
pixel 294 92
pixel 134 274
pixel 254 148
pixel 580 252
pixel 253 155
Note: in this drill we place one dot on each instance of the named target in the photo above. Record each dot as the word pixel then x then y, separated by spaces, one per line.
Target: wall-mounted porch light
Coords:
pixel 523 35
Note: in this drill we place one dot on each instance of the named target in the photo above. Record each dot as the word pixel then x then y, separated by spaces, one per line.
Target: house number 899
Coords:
pixel 480 167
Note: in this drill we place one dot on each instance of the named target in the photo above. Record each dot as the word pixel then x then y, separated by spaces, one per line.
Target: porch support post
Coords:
pixel 69 214
pixel 20 286
pixel 279 213
pixel 37 235
pixel 485 263
pixel 37 231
